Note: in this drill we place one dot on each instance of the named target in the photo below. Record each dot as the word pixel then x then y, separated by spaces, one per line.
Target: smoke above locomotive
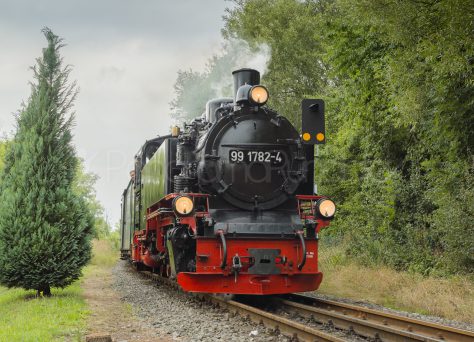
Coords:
pixel 241 170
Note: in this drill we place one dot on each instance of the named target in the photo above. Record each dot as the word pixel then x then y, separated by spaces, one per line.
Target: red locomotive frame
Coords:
pixel 216 268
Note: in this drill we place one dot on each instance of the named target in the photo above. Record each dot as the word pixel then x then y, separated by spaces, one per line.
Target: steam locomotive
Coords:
pixel 226 204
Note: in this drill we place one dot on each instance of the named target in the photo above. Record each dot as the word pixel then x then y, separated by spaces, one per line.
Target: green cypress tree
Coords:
pixel 45 228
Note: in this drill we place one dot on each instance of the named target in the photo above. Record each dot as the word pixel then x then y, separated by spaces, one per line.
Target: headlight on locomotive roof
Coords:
pixel 258 95
pixel 326 208
pixel 183 205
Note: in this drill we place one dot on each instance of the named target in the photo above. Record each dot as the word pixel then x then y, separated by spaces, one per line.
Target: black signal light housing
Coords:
pixel 313 124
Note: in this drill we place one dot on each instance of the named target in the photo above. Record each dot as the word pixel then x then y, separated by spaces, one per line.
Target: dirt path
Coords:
pixel 109 314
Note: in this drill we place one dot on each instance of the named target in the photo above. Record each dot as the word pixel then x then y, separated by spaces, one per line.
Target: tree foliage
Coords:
pixel 192 91
pixel 397 77
pixel 3 151
pixel 84 187
pixel 45 227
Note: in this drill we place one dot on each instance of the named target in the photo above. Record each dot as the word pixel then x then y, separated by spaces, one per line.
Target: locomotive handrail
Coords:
pixel 303 246
pixel 224 248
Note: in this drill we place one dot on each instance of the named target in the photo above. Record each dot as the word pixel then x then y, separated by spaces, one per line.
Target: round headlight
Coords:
pixel 183 205
pixel 326 208
pixel 258 95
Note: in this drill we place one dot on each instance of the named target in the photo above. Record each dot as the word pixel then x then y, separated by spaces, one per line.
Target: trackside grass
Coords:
pixel 451 298
pixel 62 317
pixel 26 318
pixel 104 254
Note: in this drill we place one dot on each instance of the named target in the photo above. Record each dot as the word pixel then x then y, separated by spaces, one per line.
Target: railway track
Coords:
pixel 345 320
pixel 375 324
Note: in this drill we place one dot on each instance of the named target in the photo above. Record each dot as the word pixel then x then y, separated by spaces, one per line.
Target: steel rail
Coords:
pixel 295 330
pixel 359 320
pixel 372 323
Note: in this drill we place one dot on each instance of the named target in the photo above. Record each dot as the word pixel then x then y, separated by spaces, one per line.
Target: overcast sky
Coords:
pixel 125 56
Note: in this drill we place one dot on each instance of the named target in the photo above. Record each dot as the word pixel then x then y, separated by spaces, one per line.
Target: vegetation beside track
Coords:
pixel 63 316
pixel 26 318
pixel 448 297
pixel 3 150
pixel 105 255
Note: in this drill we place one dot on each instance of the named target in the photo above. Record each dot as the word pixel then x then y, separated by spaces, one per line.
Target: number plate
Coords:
pixel 251 156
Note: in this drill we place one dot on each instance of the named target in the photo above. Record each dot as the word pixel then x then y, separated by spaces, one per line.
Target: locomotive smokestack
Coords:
pixel 245 76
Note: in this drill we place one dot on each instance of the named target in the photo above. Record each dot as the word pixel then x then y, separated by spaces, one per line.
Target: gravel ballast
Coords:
pixel 182 316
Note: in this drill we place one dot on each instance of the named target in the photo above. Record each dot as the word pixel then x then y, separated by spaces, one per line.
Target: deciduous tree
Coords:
pixel 397 78
pixel 3 150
